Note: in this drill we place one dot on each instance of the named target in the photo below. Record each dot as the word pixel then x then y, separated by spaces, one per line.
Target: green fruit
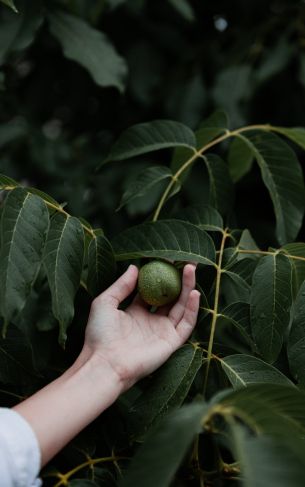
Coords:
pixel 159 283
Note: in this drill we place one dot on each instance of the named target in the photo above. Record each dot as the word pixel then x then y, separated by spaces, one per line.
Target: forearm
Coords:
pixel 59 411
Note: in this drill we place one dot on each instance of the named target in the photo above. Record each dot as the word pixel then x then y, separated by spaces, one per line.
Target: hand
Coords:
pixel 135 342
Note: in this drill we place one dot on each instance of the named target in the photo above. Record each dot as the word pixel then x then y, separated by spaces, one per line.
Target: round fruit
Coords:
pixel 159 283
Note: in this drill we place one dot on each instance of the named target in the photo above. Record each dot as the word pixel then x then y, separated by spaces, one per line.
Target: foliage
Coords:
pixel 85 129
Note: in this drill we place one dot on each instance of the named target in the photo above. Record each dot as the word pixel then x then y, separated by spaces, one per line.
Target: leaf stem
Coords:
pixel 198 153
pixel 215 314
pixel 64 478
pixel 266 252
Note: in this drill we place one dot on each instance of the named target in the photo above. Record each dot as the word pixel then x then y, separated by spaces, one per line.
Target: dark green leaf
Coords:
pixel 18 31
pixel 5 182
pixel 217 119
pixel 296 134
pixel 24 225
pixel 63 260
pixel 235 287
pixel 157 460
pixel 90 48
pixel 296 249
pixel 203 216
pixel 168 388
pixel 296 342
pixel 101 265
pixel 168 239
pixel 282 175
pixel 143 182
pixel 236 317
pixel 243 370
pixel 184 9
pixel 47 198
pixel 268 408
pixel 149 137
pixel 269 462
pixel 246 242
pixel 240 159
pixel 271 297
pixel 11 4
pixel 221 186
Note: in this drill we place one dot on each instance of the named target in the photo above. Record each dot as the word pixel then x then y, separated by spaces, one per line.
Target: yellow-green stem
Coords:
pixel 198 153
pixel 216 303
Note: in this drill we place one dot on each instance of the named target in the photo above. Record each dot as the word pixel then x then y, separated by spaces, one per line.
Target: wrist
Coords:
pixel 101 364
pixel 96 370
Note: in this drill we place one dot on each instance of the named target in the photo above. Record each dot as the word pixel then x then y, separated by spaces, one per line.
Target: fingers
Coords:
pixel 121 288
pixel 188 283
pixel 189 318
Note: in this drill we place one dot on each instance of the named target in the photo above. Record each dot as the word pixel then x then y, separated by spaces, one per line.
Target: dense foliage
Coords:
pixel 115 105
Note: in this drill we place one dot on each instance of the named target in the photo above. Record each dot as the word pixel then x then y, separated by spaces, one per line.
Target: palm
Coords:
pixel 136 341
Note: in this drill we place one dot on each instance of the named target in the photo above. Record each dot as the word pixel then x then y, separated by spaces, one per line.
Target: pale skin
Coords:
pixel 120 348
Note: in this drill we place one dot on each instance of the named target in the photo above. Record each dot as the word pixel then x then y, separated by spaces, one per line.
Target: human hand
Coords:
pixel 135 342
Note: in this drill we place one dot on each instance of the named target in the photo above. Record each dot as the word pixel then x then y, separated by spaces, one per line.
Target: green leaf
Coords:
pixel 220 183
pixel 90 48
pixel 156 462
pixel 282 175
pixel 203 216
pixel 63 260
pixel 271 299
pixel 10 4
pixel 24 225
pixel 236 317
pixel 168 388
pixel 47 198
pixel 267 408
pixel 101 265
pixel 151 136
pixel 267 461
pixel 184 9
pixel 218 119
pixel 16 359
pixel 240 159
pixel 243 370
pixel 5 181
pixel 247 242
pixel 18 31
pixel 296 249
pixel 235 287
pixel 143 182
pixel 296 341
pixel 168 239
pixel 296 134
